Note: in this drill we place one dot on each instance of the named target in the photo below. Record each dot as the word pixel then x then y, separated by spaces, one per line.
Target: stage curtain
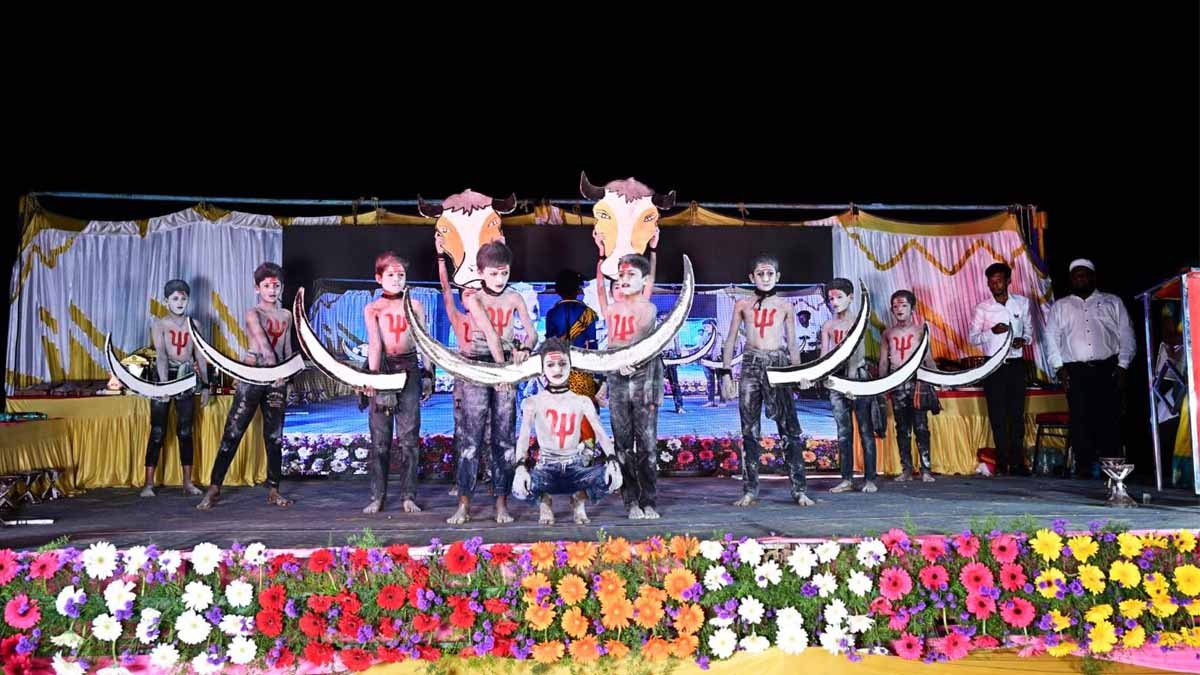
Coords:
pixel 38 444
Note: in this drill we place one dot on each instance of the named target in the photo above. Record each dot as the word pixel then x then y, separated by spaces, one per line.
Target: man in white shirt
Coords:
pixel 1005 388
pixel 809 336
pixel 1089 344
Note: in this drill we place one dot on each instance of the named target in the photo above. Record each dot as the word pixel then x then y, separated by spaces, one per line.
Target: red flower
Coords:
pixel 349 602
pixel 8 566
pixel 881 606
pixel 968 546
pixel 1012 577
pixel 44 566
pixel 459 560
pixel 320 561
pixel 391 597
pixel 982 606
pixel 975 576
pixel 504 628
pixel 894 583
pixel 933 548
pixel 955 646
pixel 414 594
pixel 502 647
pixel 933 577
pixel 312 625
pixel 279 561
pixel 417 572
pixel 1004 547
pixel 320 603
pixel 359 559
pixel 462 618
pixel 501 554
pixel 467 653
pixel 429 653
pixel 1017 612
pixel 684 458
pixel 8 646
pixel 706 455
pixel 389 655
pixel 356 659
pixel 399 553
pixel 457 602
pixel 286 659
pixel 269 622
pixel 898 622
pixel 894 539
pixel 495 605
pixel 424 623
pixel 985 642
pixel 19 665
pixel 318 653
pixel 22 612
pixel 273 597
pixel 387 628
pixel 348 626
pixel 908 646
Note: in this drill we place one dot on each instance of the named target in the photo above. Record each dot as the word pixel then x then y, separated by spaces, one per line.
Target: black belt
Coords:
pixel 1016 359
pixel 1093 364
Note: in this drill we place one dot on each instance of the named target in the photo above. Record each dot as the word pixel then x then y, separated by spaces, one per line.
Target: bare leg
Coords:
pixel 148 486
pixel 545 510
pixel 188 487
pixel 462 515
pixel 210 498
pixel 502 515
pixel 579 500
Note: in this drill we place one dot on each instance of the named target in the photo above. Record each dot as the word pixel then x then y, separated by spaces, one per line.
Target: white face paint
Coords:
pixel 901 310
pixel 630 280
pixel 177 303
pixel 393 279
pixel 496 278
pixel 839 301
pixel 765 277
pixel 556 367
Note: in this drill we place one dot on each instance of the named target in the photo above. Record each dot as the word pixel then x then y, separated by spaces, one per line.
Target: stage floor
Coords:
pixel 328 511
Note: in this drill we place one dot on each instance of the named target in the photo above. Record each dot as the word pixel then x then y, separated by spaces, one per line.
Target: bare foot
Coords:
pixel 635 513
pixel 374 506
pixel 210 498
pixel 581 516
pixel 276 499
pixel 189 489
pixel 844 486
pixel 904 476
pixel 503 516
pixel 409 506
pixel 650 514
pixel 746 500
pixel 460 516
pixel 148 491
pixel 927 477
pixel 545 512
pixel 803 500
pixel 869 486
pixel 453 491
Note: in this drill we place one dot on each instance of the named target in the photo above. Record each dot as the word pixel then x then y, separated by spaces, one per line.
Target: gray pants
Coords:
pixel 483 405
pixel 248 398
pixel 633 409
pixel 403 412
pixel 910 422
pixel 753 392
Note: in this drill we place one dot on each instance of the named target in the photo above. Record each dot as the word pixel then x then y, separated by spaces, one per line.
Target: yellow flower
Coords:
pixel 1045 582
pixel 1060 621
pixel 1167 639
pixel 1156 585
pixel 1185 541
pixel 1125 573
pixel 1131 544
pixel 1062 649
pixel 1098 613
pixel 1191 637
pixel 1187 580
pixel 1047 544
pixel 1083 547
pixel 1092 578
pixel 1163 607
pixel 1103 637
pixel 1134 638
pixel 1132 609
pixel 1154 541
pixel 1193 608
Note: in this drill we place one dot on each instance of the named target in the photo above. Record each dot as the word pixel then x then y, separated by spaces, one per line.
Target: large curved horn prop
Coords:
pixel 428 210
pixel 144 387
pixel 260 375
pixel 612 360
pixel 588 190
pixel 664 201
pixel 815 370
pixel 719 365
pixel 967 377
pixel 886 383
pixel 479 372
pixel 696 355
pixel 506 205
pixel 311 345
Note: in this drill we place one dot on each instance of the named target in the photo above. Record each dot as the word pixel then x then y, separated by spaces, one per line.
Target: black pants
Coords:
pixel 405 417
pixel 185 411
pixel 910 422
pixel 1095 402
pixel 754 392
pixel 1005 393
pixel 714 385
pixel 633 409
pixel 248 398
pixel 672 375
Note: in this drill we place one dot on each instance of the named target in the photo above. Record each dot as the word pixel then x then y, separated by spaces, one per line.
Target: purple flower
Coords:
pixel 25 645
pixel 702 661
pixel 365 633
pixel 1059 525
pixel 808 590
pixel 290 609
pixel 214 615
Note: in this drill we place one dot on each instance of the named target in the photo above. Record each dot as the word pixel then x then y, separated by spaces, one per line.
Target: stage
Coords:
pixel 327 512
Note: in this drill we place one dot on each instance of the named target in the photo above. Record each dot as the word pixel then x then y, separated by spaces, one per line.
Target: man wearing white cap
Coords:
pixel 1090 343
pixel 1005 388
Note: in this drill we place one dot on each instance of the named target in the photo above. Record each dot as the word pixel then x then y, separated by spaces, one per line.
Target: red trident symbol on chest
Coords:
pixel 397 324
pixel 902 344
pixel 623 327
pixel 838 336
pixel 274 331
pixel 763 319
pixel 179 340
pixel 500 318
pixel 562 424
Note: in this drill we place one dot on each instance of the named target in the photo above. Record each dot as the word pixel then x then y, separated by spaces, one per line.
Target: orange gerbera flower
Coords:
pixel 548 652
pixel 541 555
pixel 585 650
pixel 689 620
pixel 616 649
pixel 649 611
pixel 539 617
pixel 616 614
pixel 679 580
pixel 656 649
pixel 572 589
pixel 581 554
pixel 684 548
pixel 532 583
pixel 574 623
pixel 648 591
pixel 618 551
pixel 611 587
pixel 652 549
pixel 684 646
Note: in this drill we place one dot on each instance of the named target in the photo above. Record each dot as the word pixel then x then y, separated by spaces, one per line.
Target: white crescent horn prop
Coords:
pixel 260 375
pixel 695 355
pixel 479 372
pixel 886 383
pixel 144 387
pixel 612 360
pixel 311 345
pixel 815 370
pixel 967 377
pixel 351 354
pixel 718 365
